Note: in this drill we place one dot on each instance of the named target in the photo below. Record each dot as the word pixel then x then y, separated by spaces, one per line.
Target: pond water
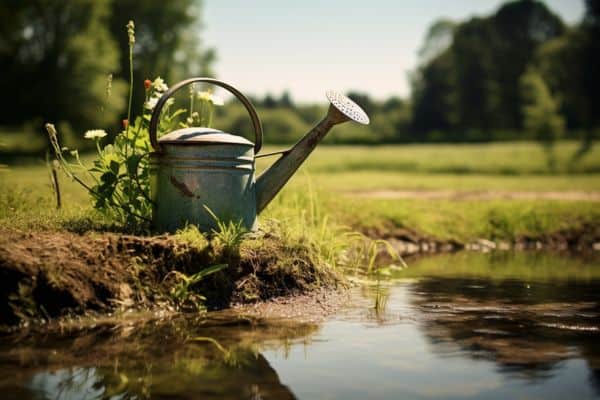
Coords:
pixel 465 325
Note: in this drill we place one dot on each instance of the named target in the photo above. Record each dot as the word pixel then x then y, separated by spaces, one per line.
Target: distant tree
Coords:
pixel 286 100
pixel 168 41
pixel 570 65
pixel 473 86
pixel 521 27
pixel 540 113
pixel 269 102
pixel 561 62
pixel 55 57
pixel 393 103
pixel 437 40
pixel 435 97
pixel 591 30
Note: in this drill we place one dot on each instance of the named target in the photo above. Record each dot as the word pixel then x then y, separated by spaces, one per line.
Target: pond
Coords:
pixel 464 325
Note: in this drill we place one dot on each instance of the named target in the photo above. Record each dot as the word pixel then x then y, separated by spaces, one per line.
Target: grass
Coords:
pixel 508 158
pixel 318 201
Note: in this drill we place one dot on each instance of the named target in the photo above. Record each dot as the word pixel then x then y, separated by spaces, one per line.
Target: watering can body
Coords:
pixel 204 176
pixel 194 181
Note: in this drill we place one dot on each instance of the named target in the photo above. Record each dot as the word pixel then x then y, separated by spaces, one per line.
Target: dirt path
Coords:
pixel 476 195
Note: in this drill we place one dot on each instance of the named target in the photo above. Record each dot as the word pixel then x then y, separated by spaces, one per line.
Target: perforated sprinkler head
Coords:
pixel 343 109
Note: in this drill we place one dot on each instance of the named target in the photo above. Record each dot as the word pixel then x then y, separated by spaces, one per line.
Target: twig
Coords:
pixel 56 185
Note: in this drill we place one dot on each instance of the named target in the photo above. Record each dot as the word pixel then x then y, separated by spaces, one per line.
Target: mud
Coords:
pixel 49 275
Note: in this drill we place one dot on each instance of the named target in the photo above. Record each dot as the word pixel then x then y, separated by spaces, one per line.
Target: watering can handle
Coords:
pixel 243 99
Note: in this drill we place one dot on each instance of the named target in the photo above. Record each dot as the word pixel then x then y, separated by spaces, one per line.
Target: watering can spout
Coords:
pixel 270 182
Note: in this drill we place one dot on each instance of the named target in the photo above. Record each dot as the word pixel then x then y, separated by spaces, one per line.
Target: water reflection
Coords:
pixel 467 325
pixel 185 358
pixel 526 312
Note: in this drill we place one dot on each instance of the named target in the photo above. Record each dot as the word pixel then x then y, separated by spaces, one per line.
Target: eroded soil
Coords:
pixel 44 275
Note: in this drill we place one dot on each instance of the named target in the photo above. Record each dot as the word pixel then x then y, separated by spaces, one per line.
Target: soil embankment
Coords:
pixel 408 242
pixel 44 275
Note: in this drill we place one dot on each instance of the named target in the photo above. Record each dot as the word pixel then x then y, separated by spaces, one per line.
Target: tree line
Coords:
pixel 67 61
pixel 519 73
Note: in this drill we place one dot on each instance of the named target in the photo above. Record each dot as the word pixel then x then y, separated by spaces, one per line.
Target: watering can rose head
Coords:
pixel 204 176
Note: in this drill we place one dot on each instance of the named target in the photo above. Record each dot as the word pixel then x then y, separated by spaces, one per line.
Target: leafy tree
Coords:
pixel 167 40
pixel 540 113
pixel 56 57
pixel 435 96
pixel 473 86
pixel 437 40
pixel 591 30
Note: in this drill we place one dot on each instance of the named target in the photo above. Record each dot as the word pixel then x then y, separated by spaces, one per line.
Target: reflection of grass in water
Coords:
pixel 381 299
pixel 178 356
pixel 526 266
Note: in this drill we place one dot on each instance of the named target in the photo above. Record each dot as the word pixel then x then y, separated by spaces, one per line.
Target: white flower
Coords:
pixel 159 85
pixel 151 103
pixel 95 134
pixel 208 96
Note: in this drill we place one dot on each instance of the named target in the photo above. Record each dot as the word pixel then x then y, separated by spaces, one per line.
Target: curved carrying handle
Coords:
pixel 243 99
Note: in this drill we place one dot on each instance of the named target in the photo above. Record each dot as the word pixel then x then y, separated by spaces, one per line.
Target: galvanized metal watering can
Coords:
pixel 193 170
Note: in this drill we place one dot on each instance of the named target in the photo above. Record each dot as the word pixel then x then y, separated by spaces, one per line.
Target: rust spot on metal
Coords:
pixel 183 188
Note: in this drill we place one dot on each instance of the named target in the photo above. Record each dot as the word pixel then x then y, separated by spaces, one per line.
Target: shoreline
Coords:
pixel 62 277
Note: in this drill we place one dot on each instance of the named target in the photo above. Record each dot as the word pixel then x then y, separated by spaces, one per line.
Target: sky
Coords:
pixel 310 46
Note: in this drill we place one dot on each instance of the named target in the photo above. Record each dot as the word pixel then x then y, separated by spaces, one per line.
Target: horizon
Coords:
pixel 250 57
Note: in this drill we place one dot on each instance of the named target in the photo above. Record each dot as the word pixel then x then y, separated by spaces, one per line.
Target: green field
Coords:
pixel 343 183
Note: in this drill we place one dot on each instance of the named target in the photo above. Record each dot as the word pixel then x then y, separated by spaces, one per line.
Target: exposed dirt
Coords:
pixel 44 275
pixel 408 242
pixel 477 195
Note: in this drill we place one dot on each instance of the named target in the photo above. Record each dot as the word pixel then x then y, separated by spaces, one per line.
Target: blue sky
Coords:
pixel 310 46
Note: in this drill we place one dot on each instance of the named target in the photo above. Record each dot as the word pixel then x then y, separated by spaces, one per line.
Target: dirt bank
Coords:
pixel 408 242
pixel 45 275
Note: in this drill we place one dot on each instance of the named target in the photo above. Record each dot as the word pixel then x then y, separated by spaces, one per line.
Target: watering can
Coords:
pixel 202 175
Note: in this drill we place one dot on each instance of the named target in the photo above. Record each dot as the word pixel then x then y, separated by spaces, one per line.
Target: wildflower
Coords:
pixel 151 103
pixel 131 32
pixel 159 85
pixel 147 84
pixel 209 97
pixel 170 101
pixel 95 134
pixel 125 123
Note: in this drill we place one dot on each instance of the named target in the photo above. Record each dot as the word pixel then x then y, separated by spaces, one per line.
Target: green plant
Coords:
pixel 228 236
pixel 118 179
pixel 181 292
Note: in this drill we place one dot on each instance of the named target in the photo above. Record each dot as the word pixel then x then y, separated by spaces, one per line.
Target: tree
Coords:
pixel 56 57
pixel 591 30
pixel 437 40
pixel 473 86
pixel 540 113
pixel 168 40
pixel 435 96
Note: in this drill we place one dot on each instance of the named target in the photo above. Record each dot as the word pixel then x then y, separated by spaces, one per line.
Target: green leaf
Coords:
pixel 108 177
pixel 114 167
